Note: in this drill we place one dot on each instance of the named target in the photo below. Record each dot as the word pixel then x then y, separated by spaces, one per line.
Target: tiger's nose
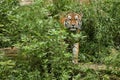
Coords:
pixel 73 25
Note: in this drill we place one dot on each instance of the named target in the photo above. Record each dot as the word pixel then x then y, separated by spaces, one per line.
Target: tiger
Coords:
pixel 73 22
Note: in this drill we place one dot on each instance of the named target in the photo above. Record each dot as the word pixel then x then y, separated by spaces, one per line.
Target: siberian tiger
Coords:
pixel 73 23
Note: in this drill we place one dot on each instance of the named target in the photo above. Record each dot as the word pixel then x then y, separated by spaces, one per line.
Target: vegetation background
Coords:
pixel 36 31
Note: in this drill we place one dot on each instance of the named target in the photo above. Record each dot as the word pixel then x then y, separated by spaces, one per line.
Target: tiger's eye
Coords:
pixel 76 17
pixel 69 17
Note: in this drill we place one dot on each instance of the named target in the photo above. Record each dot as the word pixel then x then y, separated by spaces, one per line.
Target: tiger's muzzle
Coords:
pixel 73 27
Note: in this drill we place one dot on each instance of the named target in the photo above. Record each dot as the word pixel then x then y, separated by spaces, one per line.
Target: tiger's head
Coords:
pixel 72 21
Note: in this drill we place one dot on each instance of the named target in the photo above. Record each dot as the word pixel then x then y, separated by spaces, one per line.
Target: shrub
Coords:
pixel 43 54
pixel 8 23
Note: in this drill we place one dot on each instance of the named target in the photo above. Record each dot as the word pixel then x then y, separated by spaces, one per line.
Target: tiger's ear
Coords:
pixel 63 20
pixel 81 15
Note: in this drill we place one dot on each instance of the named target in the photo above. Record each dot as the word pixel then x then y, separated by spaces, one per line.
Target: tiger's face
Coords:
pixel 73 22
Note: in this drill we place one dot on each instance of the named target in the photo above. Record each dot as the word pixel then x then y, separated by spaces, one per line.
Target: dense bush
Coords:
pixel 102 29
pixel 8 22
pixel 43 53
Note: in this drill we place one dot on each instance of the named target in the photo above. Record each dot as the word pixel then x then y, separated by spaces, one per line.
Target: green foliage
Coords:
pixel 43 54
pixel 8 22
pixel 102 30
